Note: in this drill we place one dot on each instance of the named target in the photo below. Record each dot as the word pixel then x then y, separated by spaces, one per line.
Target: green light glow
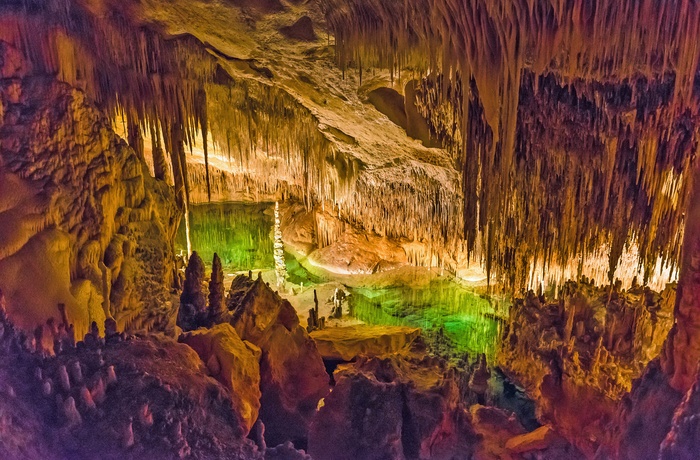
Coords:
pixel 241 234
pixel 445 304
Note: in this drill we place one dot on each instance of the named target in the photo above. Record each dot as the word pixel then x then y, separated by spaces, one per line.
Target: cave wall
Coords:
pixel 80 217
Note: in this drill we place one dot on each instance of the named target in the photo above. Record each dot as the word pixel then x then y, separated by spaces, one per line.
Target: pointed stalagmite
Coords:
pixel 217 300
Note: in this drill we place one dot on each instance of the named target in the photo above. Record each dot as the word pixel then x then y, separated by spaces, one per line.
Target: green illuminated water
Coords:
pixel 447 311
pixel 240 233
pixel 450 314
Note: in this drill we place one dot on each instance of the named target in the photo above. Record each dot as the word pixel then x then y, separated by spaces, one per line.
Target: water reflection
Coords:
pixel 448 312
pixel 452 314
pixel 241 233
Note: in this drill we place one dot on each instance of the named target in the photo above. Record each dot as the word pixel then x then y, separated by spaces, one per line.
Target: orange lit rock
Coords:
pixel 540 439
pixel 232 362
pixel 293 378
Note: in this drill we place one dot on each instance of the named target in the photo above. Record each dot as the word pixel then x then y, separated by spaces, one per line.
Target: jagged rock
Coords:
pixel 293 377
pixel 232 362
pixel 392 407
pixel 348 342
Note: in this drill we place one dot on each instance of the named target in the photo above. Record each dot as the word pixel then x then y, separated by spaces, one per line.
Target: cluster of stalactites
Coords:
pixel 172 94
pixel 524 193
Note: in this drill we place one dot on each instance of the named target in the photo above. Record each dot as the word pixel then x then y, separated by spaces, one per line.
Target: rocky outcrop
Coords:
pixel 232 362
pixel 78 211
pixel 348 342
pixel 645 416
pixel 344 249
pixel 302 29
pixel 392 407
pixel 577 356
pixel 293 378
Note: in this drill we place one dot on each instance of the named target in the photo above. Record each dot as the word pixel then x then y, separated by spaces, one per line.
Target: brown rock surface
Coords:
pixel 348 342
pixel 392 407
pixel 293 377
pixel 232 362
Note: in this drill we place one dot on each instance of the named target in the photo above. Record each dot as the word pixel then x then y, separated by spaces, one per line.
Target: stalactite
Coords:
pixel 135 138
pixel 524 71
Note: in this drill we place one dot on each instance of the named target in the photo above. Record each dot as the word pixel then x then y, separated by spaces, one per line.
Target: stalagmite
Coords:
pixel 63 378
pixel 217 299
pixel 70 412
pixel 111 376
pixel 280 266
pixel 128 434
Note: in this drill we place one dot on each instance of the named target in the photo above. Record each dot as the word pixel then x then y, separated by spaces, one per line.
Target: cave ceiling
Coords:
pixel 567 128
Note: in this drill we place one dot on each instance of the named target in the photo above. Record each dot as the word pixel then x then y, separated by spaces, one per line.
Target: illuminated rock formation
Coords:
pixel 293 377
pixel 232 362
pixel 579 355
pixel 79 212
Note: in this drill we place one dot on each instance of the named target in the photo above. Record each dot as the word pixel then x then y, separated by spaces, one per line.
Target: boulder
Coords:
pixel 232 362
pixel 496 428
pixel 348 342
pixel 292 375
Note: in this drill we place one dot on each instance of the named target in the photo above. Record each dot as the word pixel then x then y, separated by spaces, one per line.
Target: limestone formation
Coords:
pixel 193 303
pixel 232 362
pixel 293 378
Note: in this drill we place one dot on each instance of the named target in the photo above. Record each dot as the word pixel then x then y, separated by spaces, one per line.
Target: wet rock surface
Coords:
pixel 349 342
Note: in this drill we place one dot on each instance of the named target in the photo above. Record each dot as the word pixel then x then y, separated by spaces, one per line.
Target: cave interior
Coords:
pixel 349 229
